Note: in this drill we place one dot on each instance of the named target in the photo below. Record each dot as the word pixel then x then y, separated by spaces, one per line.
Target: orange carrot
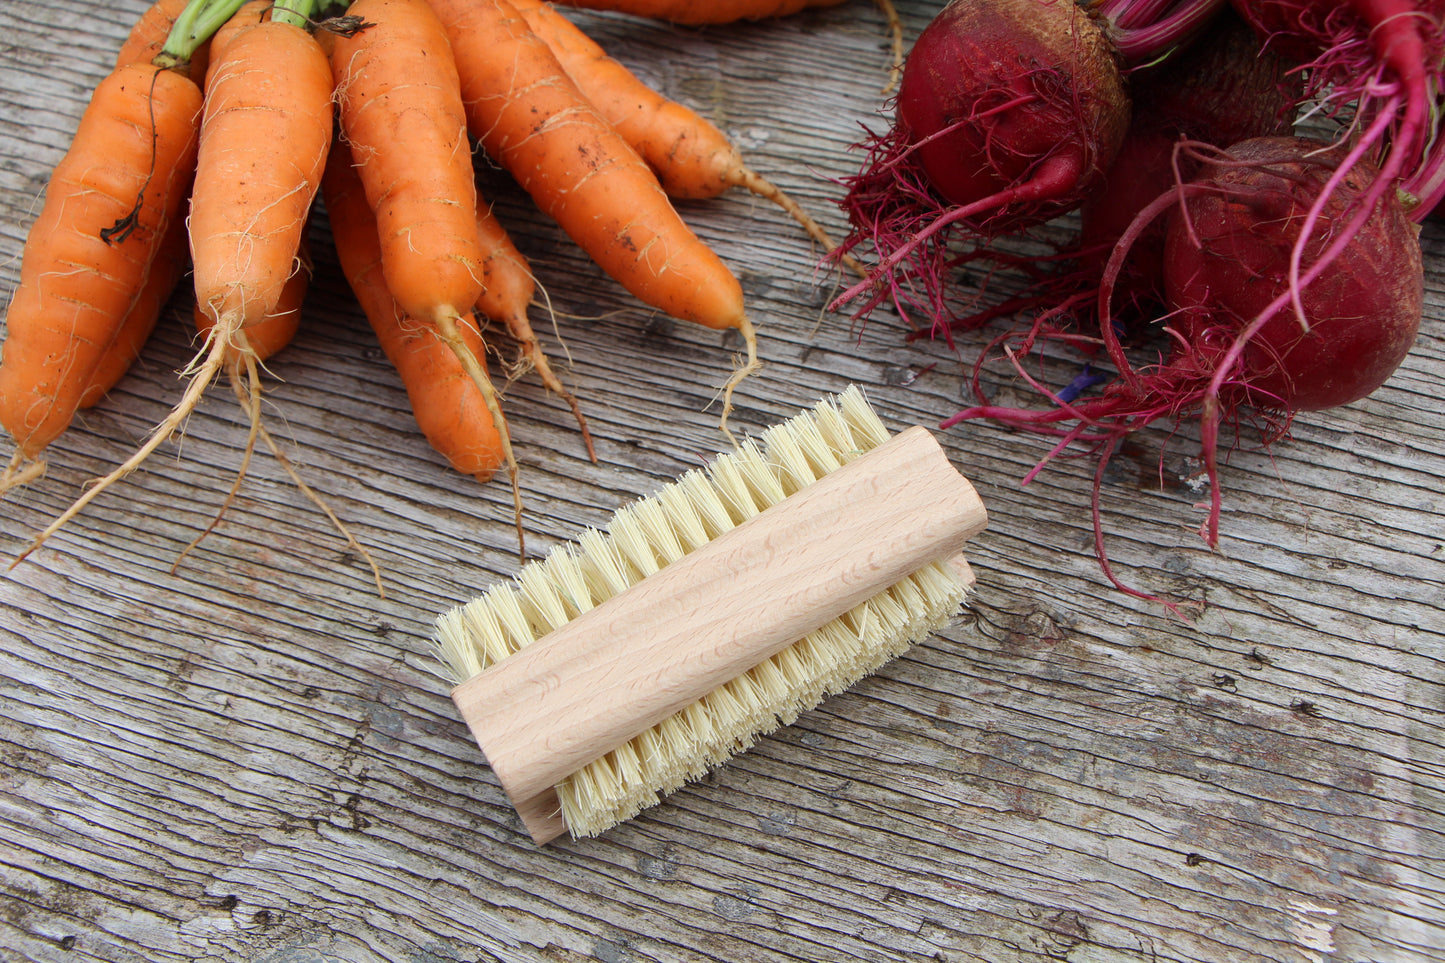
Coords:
pixel 107 211
pixel 400 105
pixel 259 340
pixel 277 329
pixel 532 119
pixel 712 11
pixel 456 417
pixel 401 113
pixel 148 36
pixel 689 155
pixel 166 271
pixel 264 140
pixel 264 136
pixel 508 288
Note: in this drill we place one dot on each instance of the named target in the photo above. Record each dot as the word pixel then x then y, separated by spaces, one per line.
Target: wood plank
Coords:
pixel 245 754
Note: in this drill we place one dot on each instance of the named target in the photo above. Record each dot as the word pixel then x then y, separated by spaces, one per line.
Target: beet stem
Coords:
pixel 1159 34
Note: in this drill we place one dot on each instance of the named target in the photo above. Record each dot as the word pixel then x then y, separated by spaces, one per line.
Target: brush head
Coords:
pixel 635 659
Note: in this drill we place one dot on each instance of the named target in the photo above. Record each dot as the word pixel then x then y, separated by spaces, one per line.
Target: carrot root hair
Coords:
pixel 248 394
pixel 751 180
pixel 747 366
pixel 224 350
pixel 20 472
pixel 202 371
pixel 245 376
pixel 315 498
pixel 447 328
pixel 534 358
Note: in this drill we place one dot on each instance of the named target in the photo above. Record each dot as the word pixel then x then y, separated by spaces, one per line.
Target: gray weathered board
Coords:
pixel 246 756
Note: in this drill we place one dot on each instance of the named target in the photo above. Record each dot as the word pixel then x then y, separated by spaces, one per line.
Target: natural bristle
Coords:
pixel 646 536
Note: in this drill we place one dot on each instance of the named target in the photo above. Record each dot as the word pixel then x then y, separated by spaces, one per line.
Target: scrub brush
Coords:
pixel 627 663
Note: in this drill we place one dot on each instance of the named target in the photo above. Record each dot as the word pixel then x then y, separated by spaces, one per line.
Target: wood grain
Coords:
pixel 244 755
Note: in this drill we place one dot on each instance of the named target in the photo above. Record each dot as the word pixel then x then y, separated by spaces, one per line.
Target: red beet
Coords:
pixel 1008 114
pixel 1013 106
pixel 1221 89
pixel 1228 264
pixel 1263 325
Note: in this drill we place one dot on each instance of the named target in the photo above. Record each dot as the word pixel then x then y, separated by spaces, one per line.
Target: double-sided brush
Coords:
pixel 629 662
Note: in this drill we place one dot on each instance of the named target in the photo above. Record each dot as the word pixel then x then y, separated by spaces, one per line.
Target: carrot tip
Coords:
pixel 535 359
pixel 751 180
pixel 743 370
pixel 446 323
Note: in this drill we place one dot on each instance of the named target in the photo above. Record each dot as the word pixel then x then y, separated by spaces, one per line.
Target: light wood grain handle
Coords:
pixel 620 668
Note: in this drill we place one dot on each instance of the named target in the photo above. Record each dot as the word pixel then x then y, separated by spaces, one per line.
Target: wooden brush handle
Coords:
pixel 619 669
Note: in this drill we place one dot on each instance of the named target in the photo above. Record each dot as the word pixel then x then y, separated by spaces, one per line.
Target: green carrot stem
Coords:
pixel 298 13
pixel 197 22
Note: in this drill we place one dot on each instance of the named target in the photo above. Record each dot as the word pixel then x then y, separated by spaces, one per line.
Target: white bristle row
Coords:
pixel 654 532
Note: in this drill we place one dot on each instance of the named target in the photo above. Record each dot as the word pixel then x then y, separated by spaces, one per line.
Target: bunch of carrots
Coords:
pixel 205 151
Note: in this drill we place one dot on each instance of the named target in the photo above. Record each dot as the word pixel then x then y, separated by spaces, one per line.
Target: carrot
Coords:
pixel 166 270
pixel 264 136
pixel 401 113
pixel 457 418
pixel 277 329
pixel 694 13
pixel 508 289
pixel 147 38
pixel 106 214
pixel 267 335
pixel 690 156
pixel 264 140
pixel 402 116
pixel 264 144
pixel 532 119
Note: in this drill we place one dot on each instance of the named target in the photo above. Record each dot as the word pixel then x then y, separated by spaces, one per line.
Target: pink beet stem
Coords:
pixel 1152 33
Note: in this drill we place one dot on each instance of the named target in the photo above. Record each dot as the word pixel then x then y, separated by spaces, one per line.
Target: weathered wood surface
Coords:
pixel 246 756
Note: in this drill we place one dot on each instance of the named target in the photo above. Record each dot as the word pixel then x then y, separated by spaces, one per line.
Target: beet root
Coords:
pixel 1255 334
pixel 1229 275
pixel 1007 115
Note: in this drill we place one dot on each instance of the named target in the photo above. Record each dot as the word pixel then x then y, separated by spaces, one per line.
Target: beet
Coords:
pixel 1228 262
pixel 1015 102
pixel 1256 335
pixel 1007 115
pixel 1221 89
